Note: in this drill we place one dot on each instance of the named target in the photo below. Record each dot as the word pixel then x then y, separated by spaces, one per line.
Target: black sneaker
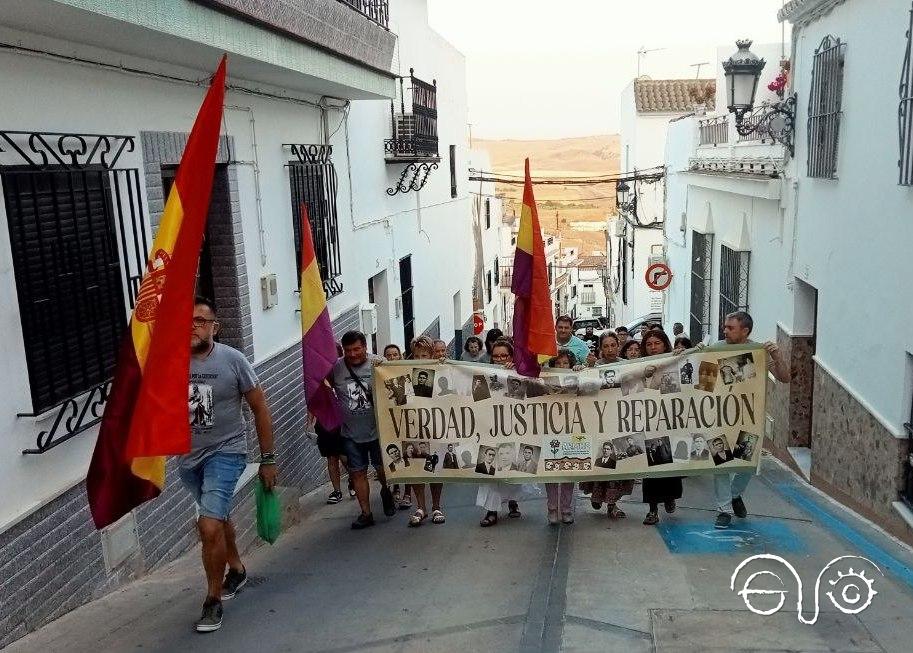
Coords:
pixel 234 581
pixel 723 520
pixel 211 619
pixel 738 507
pixel 363 521
pixel 386 497
pixel 335 497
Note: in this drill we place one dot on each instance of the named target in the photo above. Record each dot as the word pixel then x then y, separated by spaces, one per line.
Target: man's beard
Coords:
pixel 201 347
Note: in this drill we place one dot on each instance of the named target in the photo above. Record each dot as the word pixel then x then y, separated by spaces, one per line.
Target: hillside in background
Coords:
pixel 578 213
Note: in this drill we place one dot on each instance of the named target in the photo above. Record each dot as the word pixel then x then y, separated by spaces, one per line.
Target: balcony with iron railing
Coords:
pixel 714 131
pixel 506 280
pixel 377 11
pixel 588 297
pixel 415 136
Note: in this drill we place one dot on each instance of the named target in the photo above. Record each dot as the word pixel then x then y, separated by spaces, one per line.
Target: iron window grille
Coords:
pixel 453 173
pixel 405 285
pixel 313 183
pixel 905 112
pixel 78 240
pixel 825 108
pixel 734 270
pixel 414 134
pixel 377 11
pixel 701 282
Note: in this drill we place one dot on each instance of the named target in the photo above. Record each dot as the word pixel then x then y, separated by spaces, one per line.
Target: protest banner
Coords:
pixel 699 412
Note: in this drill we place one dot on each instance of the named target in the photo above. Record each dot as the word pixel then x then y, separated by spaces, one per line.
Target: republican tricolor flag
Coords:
pixel 318 348
pixel 534 325
pixel 146 416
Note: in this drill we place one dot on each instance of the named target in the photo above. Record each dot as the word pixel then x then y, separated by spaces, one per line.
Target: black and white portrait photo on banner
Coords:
pixel 686 373
pixel 506 459
pixel 516 388
pixel 736 369
pixel 629 446
pixel 399 389
pixel 528 458
pixel 633 418
pixel 423 383
pixel 658 450
pixel 707 374
pixel 699 448
pixel 486 460
pixel 606 457
pixel 480 391
pixel 719 450
pixel 445 385
pixel 745 446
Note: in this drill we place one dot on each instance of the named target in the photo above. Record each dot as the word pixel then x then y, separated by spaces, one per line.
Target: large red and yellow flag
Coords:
pixel 318 348
pixel 533 322
pixel 146 417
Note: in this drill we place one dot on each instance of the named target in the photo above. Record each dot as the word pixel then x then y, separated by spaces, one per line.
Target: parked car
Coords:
pixel 634 325
pixel 580 325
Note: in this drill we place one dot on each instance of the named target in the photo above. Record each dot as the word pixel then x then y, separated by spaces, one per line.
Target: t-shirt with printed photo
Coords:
pixel 215 397
pixel 355 401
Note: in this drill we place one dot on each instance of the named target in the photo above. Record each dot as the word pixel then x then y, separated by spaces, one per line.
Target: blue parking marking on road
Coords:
pixel 745 536
pixel 866 547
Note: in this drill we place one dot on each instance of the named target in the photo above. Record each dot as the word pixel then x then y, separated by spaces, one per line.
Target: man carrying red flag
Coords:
pixel 219 378
pixel 146 416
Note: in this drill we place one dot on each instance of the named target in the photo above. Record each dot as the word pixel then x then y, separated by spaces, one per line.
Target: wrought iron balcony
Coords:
pixel 375 10
pixel 714 131
pixel 414 138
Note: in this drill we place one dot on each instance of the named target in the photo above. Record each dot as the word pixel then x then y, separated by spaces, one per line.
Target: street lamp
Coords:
pixel 743 70
pixel 622 193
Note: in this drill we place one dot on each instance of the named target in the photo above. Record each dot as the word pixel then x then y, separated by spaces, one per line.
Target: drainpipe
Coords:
pixel 255 166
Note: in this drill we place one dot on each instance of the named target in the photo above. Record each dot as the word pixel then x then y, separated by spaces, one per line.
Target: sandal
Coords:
pixel 490 519
pixel 651 519
pixel 669 506
pixel 615 512
pixel 513 510
pixel 406 503
pixel 397 496
pixel 417 518
pixel 437 516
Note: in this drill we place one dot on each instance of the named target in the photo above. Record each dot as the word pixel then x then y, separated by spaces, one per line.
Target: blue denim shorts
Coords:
pixel 212 483
pixel 361 454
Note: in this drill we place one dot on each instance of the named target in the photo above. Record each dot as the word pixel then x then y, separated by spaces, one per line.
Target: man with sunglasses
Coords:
pixel 220 377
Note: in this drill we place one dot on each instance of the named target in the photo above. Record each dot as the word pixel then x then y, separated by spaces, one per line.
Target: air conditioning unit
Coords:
pixel 269 291
pixel 620 227
pixel 369 318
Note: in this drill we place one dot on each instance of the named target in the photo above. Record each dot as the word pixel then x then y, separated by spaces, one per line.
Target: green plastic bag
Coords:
pixel 269 513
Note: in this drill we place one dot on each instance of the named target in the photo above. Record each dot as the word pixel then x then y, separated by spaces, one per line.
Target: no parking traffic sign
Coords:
pixel 658 276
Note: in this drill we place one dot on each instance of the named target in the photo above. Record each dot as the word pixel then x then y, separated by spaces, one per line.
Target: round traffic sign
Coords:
pixel 478 324
pixel 658 276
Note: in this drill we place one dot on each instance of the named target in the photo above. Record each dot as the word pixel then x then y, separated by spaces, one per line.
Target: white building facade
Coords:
pixel 635 243
pixel 806 243
pixel 88 147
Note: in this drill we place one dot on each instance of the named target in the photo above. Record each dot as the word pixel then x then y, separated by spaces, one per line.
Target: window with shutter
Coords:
pixel 68 275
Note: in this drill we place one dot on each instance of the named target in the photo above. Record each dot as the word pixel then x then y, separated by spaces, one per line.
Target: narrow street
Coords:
pixel 520 586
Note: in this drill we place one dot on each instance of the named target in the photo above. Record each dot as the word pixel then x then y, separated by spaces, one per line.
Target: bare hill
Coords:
pixel 561 206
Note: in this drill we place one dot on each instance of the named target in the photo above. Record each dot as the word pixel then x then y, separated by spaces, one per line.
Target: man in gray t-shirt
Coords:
pixel 352 377
pixel 220 377
pixel 729 487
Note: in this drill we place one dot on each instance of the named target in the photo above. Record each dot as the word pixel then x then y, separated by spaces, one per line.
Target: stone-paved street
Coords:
pixel 522 586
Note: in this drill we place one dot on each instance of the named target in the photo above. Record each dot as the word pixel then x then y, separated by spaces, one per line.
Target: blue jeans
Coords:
pixel 728 487
pixel 212 483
